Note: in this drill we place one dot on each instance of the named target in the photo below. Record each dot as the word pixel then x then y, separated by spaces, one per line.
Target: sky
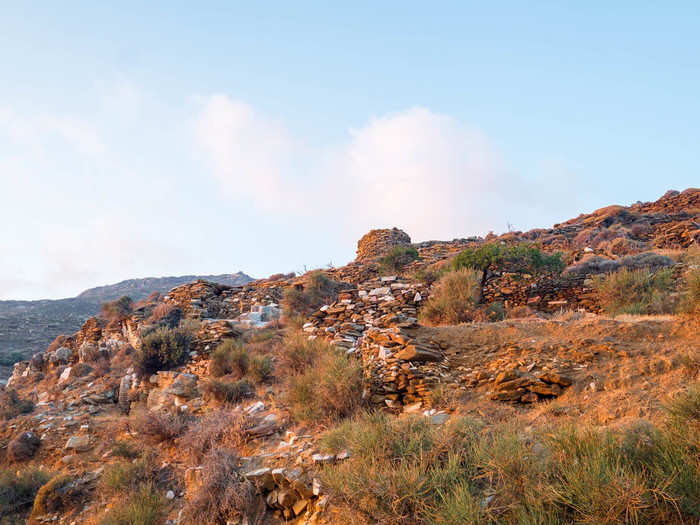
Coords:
pixel 169 138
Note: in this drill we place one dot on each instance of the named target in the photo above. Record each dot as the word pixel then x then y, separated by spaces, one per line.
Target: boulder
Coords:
pixel 23 446
pixel 78 442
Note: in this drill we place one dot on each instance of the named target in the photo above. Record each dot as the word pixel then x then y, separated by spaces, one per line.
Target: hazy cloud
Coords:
pixel 252 156
pixel 38 129
pixel 424 172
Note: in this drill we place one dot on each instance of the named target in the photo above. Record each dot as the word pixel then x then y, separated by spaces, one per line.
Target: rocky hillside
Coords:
pixel 27 327
pixel 139 289
pixel 341 396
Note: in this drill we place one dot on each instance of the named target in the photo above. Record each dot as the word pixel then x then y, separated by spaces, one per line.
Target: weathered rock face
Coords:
pixel 378 243
pixel 174 390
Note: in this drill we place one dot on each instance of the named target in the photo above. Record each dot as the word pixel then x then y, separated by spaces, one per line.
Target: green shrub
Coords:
pixel 228 390
pixel 18 488
pixel 522 258
pixel 317 290
pixel 453 298
pixel 163 349
pixel 397 258
pixel 11 405
pixel 260 368
pixel 230 357
pixel 124 449
pixel 144 506
pixel 634 291
pixel 329 388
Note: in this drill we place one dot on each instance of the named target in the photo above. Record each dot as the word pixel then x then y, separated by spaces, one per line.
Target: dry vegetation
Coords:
pixel 405 470
pixel 327 385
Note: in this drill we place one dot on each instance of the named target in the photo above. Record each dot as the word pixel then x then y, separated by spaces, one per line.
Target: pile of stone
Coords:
pixel 377 243
pixel 513 385
pixel 201 299
pixel 393 365
pixel 290 491
pixel 211 332
pixel 375 321
pixel 380 303
pixel 205 300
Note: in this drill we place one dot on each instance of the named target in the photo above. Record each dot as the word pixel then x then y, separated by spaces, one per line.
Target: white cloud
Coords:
pixel 424 172
pixel 252 156
pixel 37 130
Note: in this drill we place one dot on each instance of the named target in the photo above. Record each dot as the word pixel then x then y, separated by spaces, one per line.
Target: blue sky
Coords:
pixel 173 138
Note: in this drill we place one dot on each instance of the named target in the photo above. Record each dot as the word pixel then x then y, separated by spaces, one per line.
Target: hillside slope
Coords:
pixel 356 407
pixel 27 327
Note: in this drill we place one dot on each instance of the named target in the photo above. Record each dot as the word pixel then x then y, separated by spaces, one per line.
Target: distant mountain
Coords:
pixel 27 327
pixel 139 289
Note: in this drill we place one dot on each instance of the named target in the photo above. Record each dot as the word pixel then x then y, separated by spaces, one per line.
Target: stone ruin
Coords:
pixel 378 243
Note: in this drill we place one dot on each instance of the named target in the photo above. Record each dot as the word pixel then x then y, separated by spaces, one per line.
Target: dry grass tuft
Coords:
pixel 327 387
pixel 453 298
pixel 224 495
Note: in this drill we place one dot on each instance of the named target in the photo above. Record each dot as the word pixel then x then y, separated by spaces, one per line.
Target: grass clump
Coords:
pixel 299 352
pixel 127 476
pixel 692 285
pixel 453 298
pixel 163 349
pixel 260 368
pixel 635 291
pixel 161 426
pixel 124 449
pixel 397 258
pixel 406 470
pixel 18 488
pixel 224 495
pixel 59 493
pixel 219 428
pixel 228 389
pixel 399 469
pixel 143 506
pixel 327 387
pixel 317 290
pixel 230 357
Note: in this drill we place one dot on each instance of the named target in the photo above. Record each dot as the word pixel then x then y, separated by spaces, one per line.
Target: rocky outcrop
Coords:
pixel 377 243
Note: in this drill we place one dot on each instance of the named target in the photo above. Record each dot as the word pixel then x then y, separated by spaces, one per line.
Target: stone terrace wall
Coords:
pixel 543 293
